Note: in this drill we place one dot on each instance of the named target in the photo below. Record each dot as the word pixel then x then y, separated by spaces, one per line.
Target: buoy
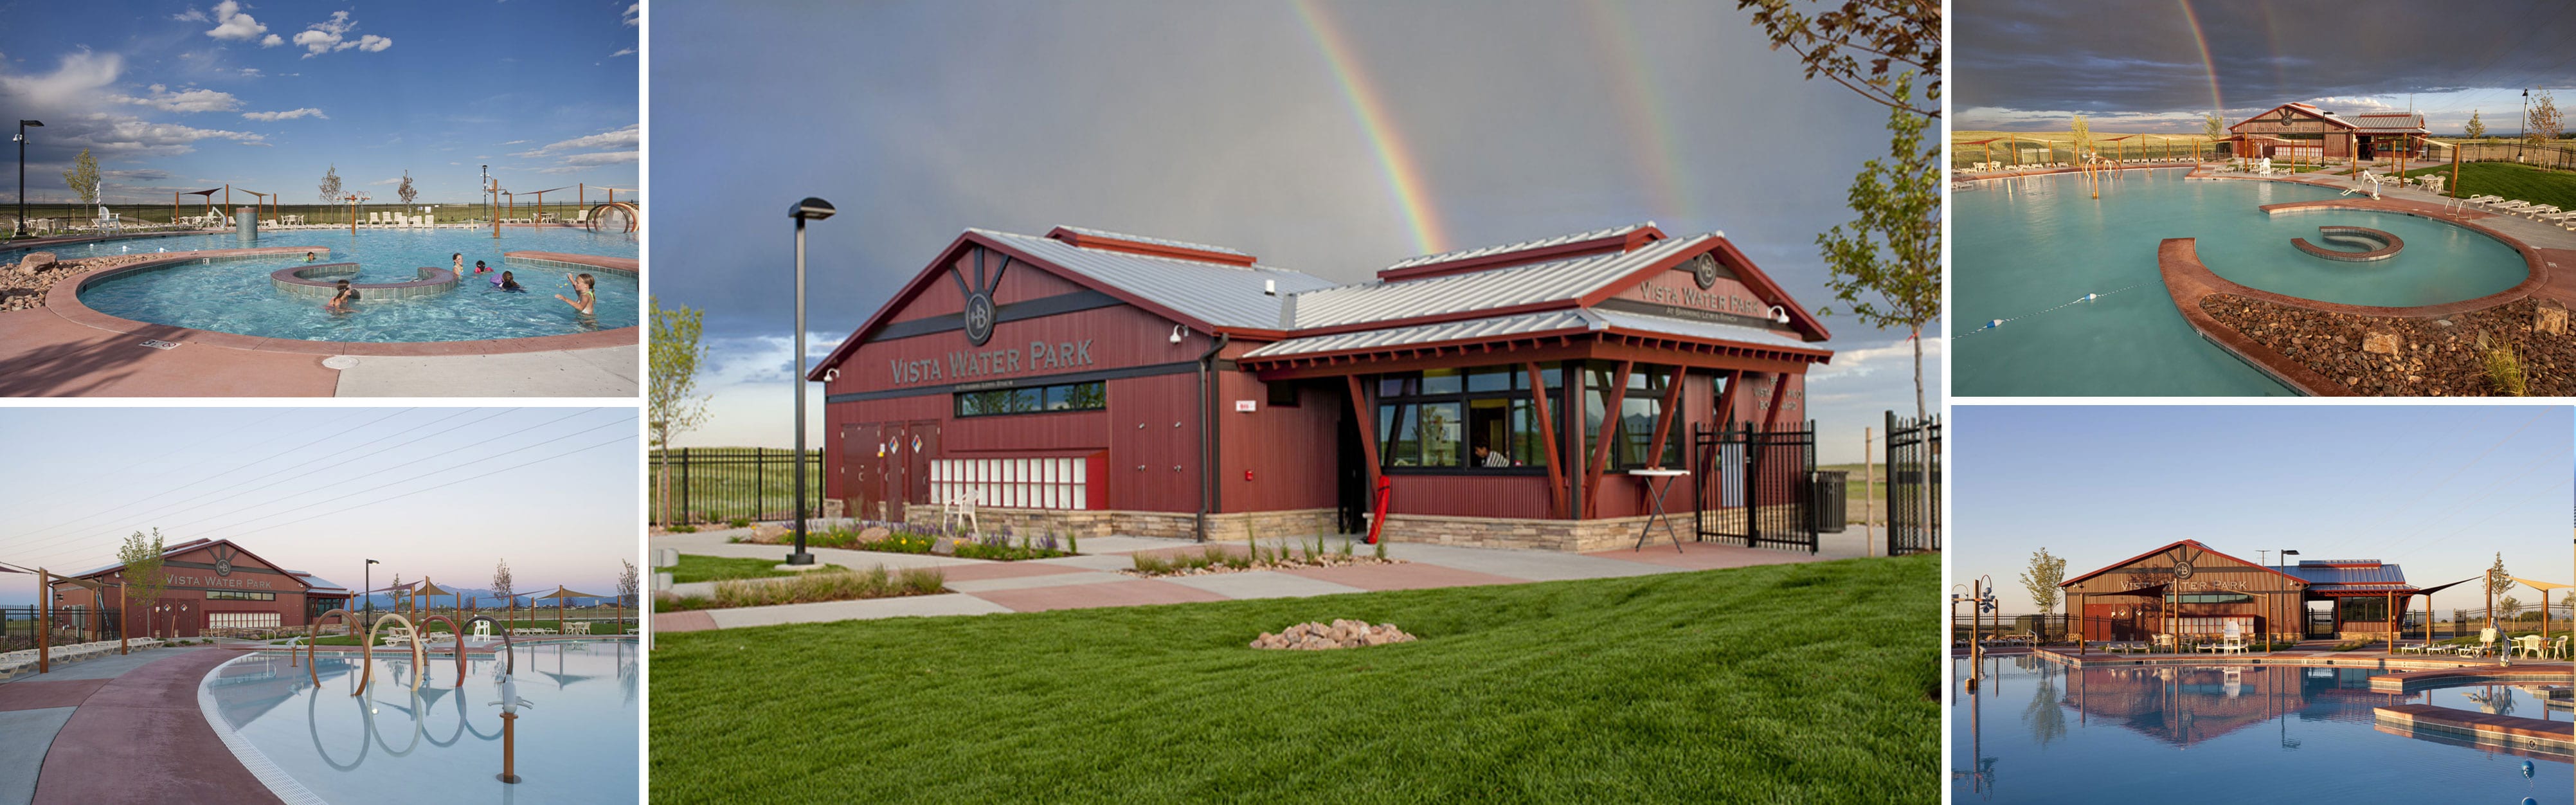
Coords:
pixel 2091 296
pixel 2526 768
pixel 1994 324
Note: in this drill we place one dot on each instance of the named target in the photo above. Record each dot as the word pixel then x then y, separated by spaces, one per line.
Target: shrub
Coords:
pixel 873 582
pixel 684 529
pixel 1072 542
pixel 2504 369
pixel 739 522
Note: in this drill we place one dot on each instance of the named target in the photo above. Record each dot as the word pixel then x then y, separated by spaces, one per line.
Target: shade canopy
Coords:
pixel 429 588
pixel 562 592
pixel 2541 585
pixel 85 583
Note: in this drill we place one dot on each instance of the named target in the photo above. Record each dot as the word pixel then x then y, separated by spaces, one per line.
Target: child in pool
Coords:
pixel 507 283
pixel 457 263
pixel 342 302
pixel 480 268
pixel 308 257
pixel 586 286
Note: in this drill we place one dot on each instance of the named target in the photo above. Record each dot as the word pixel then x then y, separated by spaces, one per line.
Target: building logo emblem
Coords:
pixel 2182 570
pixel 1704 269
pixel 980 313
pixel 979 318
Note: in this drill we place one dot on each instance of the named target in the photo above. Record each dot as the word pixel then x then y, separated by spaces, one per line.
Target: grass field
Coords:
pixel 2510 181
pixel 694 568
pixel 1788 683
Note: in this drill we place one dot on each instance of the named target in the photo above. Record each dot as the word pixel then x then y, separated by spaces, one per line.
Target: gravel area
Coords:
pixel 2405 357
pixel 23 287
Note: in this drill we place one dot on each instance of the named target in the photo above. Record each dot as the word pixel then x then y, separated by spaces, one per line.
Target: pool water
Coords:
pixel 2022 248
pixel 443 745
pixel 237 297
pixel 2043 733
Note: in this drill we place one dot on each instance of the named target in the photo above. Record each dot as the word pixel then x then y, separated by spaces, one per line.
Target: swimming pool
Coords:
pixel 236 296
pixel 442 745
pixel 2041 732
pixel 2022 248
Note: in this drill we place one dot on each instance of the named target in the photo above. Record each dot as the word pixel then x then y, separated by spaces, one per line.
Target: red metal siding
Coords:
pixel 1023 282
pixel 1291 451
pixel 1153 462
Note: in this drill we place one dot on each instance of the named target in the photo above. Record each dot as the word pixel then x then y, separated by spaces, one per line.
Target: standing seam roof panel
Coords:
pixel 1482 290
pixel 1215 293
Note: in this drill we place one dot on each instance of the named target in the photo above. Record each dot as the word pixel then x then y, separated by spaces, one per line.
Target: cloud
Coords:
pixel 251 72
pixel 333 34
pixel 259 144
pixel 272 40
pixel 633 15
pixel 514 142
pixel 77 77
pixel 230 23
pixel 622 52
pixel 1897 357
pixel 631 135
pixel 385 182
pixel 290 114
pixel 191 100
pixel 601 158
pixel 190 15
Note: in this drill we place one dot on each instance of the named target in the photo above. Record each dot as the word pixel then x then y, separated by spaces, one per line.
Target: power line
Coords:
pixel 355 447
pixel 627 437
pixel 431 473
pixel 213 476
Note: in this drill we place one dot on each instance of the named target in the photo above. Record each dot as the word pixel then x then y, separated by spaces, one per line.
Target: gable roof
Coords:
pixel 1578 281
pixel 2351 575
pixel 2176 544
pixel 2305 109
pixel 168 551
pixel 2389 123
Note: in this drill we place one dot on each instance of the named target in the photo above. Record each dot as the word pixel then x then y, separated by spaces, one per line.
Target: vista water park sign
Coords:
pixel 970 364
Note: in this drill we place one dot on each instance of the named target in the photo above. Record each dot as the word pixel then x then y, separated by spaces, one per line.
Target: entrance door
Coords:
pixel 862 464
pixel 1350 474
pixel 921 444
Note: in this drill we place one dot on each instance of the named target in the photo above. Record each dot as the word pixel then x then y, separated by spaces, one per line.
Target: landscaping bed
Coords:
pixel 811 587
pixel 694 568
pixel 23 287
pixel 1211 559
pixel 1810 682
pixel 1005 545
pixel 2427 356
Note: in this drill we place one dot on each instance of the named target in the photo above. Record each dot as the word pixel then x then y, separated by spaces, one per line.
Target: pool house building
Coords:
pixel 2300 132
pixel 2191 591
pixel 207 584
pixel 1100 383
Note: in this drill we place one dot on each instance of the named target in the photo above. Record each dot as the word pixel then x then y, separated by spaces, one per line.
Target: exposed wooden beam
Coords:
pixel 1547 433
pixel 1601 446
pixel 1664 417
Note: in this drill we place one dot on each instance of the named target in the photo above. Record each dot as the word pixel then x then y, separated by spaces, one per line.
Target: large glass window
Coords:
pixel 236 595
pixel 1090 396
pixel 1465 420
pixel 1643 403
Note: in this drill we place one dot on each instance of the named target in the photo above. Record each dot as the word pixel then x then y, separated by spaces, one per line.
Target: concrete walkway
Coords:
pixel 979 587
pixel 118 729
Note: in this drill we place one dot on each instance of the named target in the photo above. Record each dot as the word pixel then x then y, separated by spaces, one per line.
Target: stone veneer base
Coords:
pixel 1574 536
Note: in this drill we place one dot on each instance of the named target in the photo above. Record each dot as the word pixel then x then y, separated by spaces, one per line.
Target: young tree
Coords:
pixel 501 580
pixel 142 575
pixel 2497 581
pixel 1887 268
pixel 2547 123
pixel 83 178
pixel 2083 137
pixel 2213 127
pixel 2510 605
pixel 406 192
pixel 2042 579
pixel 626 582
pixel 2477 129
pixel 671 394
pixel 331 185
pixel 1897 37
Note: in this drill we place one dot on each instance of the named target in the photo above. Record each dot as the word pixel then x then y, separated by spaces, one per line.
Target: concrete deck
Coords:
pixel 980 587
pixel 119 729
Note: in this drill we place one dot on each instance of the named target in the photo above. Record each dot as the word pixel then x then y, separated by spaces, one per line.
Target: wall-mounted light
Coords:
pixel 1179 330
pixel 1780 314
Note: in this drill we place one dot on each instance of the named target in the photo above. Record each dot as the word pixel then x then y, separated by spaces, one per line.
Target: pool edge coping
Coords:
pixel 63 299
pixel 280 784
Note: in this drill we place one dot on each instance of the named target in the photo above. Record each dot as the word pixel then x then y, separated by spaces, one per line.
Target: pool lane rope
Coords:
pixel 1996 324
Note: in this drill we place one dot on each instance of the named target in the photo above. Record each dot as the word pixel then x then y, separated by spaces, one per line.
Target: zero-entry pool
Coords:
pixel 441 744
pixel 238 296
pixel 2029 251
pixel 2040 732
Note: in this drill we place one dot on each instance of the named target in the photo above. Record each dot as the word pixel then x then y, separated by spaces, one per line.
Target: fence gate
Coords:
pixel 1913 485
pixel 1756 485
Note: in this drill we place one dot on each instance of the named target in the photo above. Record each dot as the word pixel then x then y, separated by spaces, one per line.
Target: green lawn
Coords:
pixel 2510 181
pixel 1789 683
pixel 695 568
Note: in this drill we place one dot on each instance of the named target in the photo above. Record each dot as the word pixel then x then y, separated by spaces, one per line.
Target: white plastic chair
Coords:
pixel 482 630
pixel 960 507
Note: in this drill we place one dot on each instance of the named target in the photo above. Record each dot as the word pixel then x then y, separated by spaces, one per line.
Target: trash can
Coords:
pixel 1830 500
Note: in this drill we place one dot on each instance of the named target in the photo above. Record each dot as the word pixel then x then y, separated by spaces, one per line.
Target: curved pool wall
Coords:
pixel 2026 245
pixel 442 746
pixel 323 281
pixel 2039 732
pixel 239 295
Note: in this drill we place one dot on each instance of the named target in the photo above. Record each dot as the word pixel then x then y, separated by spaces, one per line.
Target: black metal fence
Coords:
pixel 1913 484
pixel 2551 156
pixel 723 484
pixel 18 626
pixel 1756 485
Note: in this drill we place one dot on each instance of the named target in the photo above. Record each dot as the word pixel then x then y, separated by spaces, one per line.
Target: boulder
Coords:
pixel 2381 343
pixel 34 262
pixel 944 546
pixel 2551 319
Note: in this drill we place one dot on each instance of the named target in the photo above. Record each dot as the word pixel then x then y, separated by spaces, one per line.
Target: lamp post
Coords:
pixel 368 588
pixel 811 209
pixel 22 173
pixel 2302 620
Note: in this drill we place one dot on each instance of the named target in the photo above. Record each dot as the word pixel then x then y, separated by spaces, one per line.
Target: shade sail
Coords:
pixel 563 592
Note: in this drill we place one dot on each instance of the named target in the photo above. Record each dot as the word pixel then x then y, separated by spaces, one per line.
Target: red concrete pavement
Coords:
pixel 141 739
pixel 38 694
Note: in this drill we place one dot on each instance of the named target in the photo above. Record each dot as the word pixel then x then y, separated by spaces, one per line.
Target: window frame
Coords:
pixel 1516 397
pixel 1072 392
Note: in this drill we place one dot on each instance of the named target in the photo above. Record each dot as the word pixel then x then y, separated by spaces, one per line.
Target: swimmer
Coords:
pixel 457 263
pixel 480 268
pixel 507 283
pixel 308 257
pixel 587 287
pixel 341 302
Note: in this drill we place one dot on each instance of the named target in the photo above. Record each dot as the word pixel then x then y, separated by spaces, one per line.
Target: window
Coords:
pixel 1638 409
pixel 1282 394
pixel 242 620
pixel 1477 419
pixel 236 595
pixel 1091 396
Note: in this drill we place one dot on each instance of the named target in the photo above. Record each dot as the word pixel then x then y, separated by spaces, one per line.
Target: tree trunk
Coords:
pixel 1917 331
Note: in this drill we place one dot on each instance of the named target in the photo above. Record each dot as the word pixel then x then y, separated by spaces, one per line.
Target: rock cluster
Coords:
pixel 1341 633
pixel 23 284
pixel 2395 356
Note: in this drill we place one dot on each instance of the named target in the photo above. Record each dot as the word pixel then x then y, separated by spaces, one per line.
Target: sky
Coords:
pixel 2439 490
pixel 2156 65
pixel 1329 138
pixel 440 492
pixel 185 96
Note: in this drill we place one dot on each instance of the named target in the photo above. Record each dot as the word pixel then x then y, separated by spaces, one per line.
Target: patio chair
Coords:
pixel 2529 646
pixel 960 507
pixel 482 630
pixel 2233 641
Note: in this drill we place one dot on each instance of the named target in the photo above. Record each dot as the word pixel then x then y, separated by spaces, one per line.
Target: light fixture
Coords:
pixel 1179 330
pixel 1779 314
pixel 810 209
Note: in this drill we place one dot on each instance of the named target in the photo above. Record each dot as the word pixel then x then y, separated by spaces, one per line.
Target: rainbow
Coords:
pixel 2206 63
pixel 1403 174
pixel 1658 163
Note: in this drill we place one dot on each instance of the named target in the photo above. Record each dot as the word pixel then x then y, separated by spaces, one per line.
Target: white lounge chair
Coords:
pixel 2233 642
pixel 482 630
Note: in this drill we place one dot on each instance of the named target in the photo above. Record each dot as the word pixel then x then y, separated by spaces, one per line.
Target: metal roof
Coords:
pixel 2325 574
pixel 2397 122
pixel 1484 290
pixel 1183 244
pixel 1216 293
pixel 1469 330
pixel 318 583
pixel 1710 331
pixel 1541 243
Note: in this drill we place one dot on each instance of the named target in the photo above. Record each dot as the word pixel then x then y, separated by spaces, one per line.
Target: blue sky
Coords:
pixel 2437 489
pixel 442 492
pixel 1226 124
pixel 189 96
